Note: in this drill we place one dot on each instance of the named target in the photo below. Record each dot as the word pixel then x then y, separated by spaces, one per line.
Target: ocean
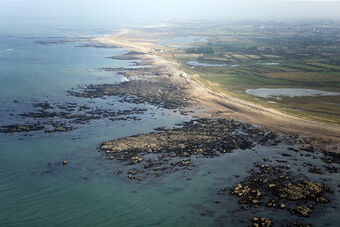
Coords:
pixel 37 190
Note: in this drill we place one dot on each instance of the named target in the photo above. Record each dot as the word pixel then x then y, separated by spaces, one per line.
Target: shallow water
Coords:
pixel 288 92
pixel 33 193
pixel 269 63
pixel 196 63
pixel 87 191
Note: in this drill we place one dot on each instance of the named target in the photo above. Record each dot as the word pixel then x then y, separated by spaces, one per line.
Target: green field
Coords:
pixel 284 55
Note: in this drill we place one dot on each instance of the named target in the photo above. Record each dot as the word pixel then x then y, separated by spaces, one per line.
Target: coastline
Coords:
pixel 129 137
pixel 224 125
pixel 221 105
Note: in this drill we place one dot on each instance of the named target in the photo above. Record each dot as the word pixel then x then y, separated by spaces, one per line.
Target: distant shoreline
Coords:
pixel 220 105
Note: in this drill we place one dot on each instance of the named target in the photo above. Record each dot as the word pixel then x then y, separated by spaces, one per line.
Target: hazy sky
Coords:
pixel 140 10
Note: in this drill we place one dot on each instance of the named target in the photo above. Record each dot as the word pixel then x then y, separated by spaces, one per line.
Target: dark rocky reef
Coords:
pixel 65 117
pixel 272 184
pixel 161 93
pixel 132 55
pixel 97 45
pixel 56 41
pixel 21 128
pixel 88 43
pixel 173 148
pixel 276 187
pixel 261 222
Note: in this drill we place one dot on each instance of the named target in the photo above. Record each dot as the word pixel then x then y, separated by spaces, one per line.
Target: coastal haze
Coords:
pixel 135 12
pixel 141 112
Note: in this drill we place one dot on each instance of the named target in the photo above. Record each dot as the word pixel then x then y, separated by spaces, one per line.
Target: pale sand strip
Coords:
pixel 222 105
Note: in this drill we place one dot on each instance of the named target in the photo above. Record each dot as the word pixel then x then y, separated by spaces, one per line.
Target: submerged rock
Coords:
pixel 261 222
pixel 301 210
pixel 21 128
pixel 54 118
pixel 305 190
pixel 275 188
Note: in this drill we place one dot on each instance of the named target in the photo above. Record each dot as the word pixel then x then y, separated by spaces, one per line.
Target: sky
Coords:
pixel 137 11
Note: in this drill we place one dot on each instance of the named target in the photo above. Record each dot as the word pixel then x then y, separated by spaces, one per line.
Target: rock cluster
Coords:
pixel 63 117
pixel 305 190
pixel 275 187
pixel 261 222
pixel 173 147
pixel 21 128
pixel 301 210
pixel 161 93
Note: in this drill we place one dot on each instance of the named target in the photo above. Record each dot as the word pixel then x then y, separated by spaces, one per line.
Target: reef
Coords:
pixel 162 93
pixel 276 187
pixel 172 149
pixel 65 117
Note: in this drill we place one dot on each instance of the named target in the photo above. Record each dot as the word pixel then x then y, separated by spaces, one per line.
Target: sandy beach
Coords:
pixel 220 105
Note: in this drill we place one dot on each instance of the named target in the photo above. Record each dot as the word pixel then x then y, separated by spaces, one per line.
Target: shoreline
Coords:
pixel 274 179
pixel 221 105
pixel 128 137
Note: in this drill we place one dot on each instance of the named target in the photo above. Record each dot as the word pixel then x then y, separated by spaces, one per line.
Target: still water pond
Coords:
pixel 288 92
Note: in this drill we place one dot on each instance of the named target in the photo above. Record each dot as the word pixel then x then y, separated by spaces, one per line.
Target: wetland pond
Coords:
pixel 288 92
pixel 196 63
pixel 204 64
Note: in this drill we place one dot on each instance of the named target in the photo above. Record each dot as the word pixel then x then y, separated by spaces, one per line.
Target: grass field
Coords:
pixel 281 56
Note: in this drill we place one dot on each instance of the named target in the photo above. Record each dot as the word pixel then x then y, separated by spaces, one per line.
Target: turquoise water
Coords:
pixel 29 195
pixel 87 192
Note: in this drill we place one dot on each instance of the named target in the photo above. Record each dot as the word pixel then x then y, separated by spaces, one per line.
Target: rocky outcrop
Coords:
pixel 161 93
